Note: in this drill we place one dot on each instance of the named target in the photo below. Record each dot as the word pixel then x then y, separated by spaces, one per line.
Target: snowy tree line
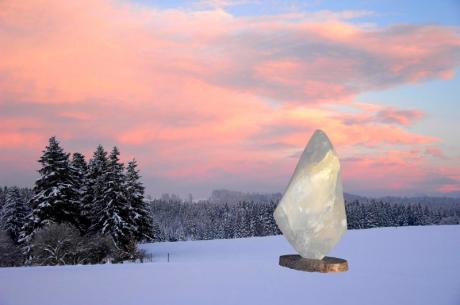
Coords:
pixel 383 214
pixel 77 209
pixel 179 220
pixel 174 219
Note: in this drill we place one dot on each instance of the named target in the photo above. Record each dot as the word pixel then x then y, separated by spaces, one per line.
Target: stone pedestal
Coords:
pixel 327 264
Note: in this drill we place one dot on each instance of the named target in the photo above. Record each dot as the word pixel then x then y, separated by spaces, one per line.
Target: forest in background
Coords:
pixel 230 214
pixel 229 218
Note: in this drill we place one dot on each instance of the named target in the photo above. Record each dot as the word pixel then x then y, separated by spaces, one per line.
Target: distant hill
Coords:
pixel 229 196
pixel 424 200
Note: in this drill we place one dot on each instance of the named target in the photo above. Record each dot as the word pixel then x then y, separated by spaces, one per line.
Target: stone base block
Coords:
pixel 327 264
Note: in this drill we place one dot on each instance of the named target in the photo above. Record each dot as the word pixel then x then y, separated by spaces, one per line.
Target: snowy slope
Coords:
pixel 412 265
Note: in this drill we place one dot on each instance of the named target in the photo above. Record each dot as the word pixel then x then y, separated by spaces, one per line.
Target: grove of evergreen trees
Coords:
pixel 98 198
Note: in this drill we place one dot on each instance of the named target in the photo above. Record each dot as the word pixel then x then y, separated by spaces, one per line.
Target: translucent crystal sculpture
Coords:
pixel 311 213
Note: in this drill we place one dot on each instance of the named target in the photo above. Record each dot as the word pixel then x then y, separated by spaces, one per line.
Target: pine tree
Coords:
pixel 3 191
pixel 141 217
pixel 251 219
pixel 111 213
pixel 95 181
pixel 243 221
pixel 267 222
pixel 228 222
pixel 14 213
pixel 79 172
pixel 157 234
pixel 54 192
pixel 80 168
pixel 2 197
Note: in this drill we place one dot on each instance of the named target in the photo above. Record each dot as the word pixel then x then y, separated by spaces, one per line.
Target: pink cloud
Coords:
pixel 399 172
pixel 21 132
pixel 20 140
pixel 131 53
pixel 77 115
pixel 434 152
pixel 401 117
pixel 204 94
pixel 382 115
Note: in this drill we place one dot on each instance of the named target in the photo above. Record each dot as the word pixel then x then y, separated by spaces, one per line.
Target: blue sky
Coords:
pixel 445 12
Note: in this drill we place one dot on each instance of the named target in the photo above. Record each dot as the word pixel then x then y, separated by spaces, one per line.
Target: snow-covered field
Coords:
pixel 412 265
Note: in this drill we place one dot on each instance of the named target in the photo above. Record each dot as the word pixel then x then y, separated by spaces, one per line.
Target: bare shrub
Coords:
pixel 55 245
pixel 61 244
pixel 10 254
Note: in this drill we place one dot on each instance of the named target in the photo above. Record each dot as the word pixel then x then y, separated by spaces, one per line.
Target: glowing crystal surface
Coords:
pixel 311 213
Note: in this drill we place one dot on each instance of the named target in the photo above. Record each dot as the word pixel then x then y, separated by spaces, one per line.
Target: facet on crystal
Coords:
pixel 311 213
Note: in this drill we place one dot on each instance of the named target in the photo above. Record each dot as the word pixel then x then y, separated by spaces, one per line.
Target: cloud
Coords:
pixel 204 95
pixel 132 52
pixel 400 173
pixel 401 117
pixel 221 4
pixel 383 115
pixel 434 152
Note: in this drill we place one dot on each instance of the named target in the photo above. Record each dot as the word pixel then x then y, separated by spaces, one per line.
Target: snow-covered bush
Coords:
pixel 61 244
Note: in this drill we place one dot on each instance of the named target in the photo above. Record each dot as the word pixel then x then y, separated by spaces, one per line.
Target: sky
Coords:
pixel 225 94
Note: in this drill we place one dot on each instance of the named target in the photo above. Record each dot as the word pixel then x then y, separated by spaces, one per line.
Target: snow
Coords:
pixel 410 265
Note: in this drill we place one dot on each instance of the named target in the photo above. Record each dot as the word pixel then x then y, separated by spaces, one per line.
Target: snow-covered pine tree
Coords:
pixel 110 211
pixel 2 201
pixel 79 172
pixel 229 221
pixel 267 222
pixel 141 217
pixel 157 234
pixel 243 222
pixel 14 213
pixel 80 167
pixel 2 197
pixel 54 192
pixel 95 180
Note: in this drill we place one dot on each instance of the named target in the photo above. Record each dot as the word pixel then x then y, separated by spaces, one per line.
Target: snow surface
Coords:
pixel 411 265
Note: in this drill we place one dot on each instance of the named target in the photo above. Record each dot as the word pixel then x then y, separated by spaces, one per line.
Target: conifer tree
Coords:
pixel 157 234
pixel 14 213
pixel 79 172
pixel 142 220
pixel 95 180
pixel 110 211
pixel 267 222
pixel 243 222
pixel 2 196
pixel 54 199
pixel 79 167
